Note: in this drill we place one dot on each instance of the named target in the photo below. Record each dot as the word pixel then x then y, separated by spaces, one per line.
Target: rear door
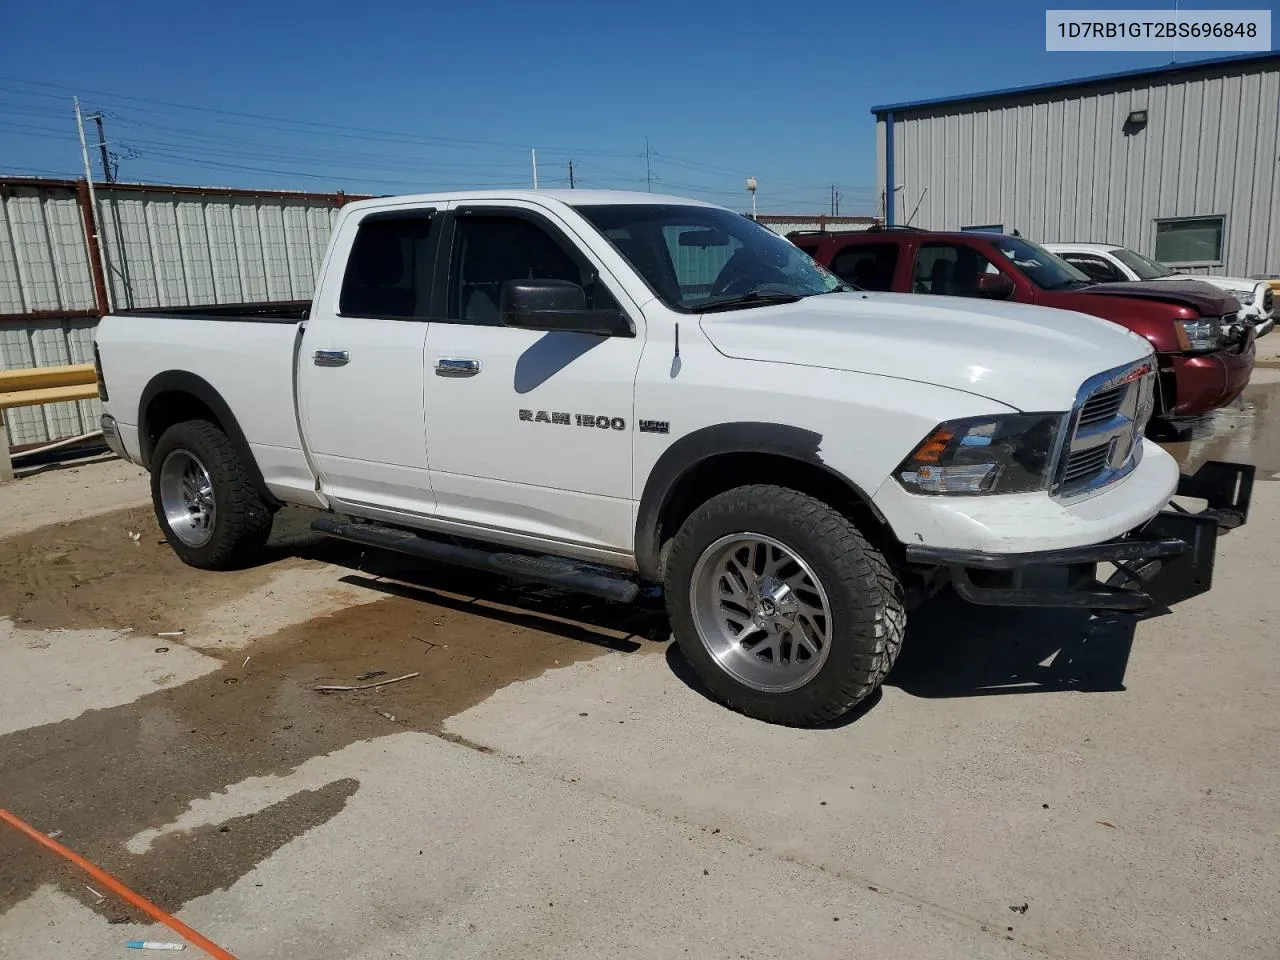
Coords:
pixel 360 369
pixel 870 266
pixel 529 432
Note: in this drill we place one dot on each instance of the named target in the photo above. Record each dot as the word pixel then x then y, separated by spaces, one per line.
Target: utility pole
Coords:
pixel 88 178
pixel 648 167
pixel 833 199
pixel 102 148
pixel 571 186
pixel 837 213
pixel 533 153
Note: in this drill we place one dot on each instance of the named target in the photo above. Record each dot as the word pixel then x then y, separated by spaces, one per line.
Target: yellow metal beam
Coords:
pixel 26 398
pixel 36 378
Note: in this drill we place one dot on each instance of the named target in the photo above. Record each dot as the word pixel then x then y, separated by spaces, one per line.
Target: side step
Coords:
pixel 553 570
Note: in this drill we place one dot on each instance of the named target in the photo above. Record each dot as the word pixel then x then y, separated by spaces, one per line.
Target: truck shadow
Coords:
pixel 958 649
pixel 952 648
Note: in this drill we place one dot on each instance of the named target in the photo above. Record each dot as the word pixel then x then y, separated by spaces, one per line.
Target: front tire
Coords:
pixel 205 498
pixel 782 608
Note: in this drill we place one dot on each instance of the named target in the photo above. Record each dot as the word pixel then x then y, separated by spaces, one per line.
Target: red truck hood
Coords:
pixel 1209 300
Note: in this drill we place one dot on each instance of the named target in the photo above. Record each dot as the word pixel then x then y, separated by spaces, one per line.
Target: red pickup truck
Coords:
pixel 1205 354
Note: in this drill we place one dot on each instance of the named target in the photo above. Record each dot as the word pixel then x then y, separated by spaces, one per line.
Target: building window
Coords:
pixel 1190 240
pixel 985 228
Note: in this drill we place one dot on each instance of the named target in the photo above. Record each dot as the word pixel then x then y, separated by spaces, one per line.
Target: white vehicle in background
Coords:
pixel 1108 263
pixel 618 391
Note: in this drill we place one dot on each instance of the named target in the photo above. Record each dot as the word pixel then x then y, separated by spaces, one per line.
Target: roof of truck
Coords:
pixel 1083 247
pixel 574 198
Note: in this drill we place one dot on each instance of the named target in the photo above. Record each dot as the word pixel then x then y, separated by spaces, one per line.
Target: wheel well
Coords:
pixel 170 407
pixel 722 472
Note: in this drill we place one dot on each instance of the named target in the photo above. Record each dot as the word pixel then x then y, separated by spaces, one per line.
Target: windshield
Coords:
pixel 1046 270
pixel 1144 268
pixel 706 258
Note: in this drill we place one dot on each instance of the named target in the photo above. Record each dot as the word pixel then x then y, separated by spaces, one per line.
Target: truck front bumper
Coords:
pixel 1206 382
pixel 1164 561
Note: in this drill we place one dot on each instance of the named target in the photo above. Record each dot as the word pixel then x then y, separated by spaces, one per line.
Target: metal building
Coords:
pixel 1181 163
pixel 63 263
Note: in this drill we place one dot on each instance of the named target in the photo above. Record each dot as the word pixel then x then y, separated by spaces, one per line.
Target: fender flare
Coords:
pixel 774 439
pixel 183 381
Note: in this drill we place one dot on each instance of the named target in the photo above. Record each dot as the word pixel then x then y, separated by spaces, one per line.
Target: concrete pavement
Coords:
pixel 554 784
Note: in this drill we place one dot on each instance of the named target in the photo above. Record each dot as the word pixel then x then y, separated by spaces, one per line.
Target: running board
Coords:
pixel 552 570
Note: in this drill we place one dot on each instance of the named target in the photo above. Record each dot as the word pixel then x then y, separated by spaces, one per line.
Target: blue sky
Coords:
pixel 402 97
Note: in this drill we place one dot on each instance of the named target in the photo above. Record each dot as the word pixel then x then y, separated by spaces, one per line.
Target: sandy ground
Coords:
pixel 554 783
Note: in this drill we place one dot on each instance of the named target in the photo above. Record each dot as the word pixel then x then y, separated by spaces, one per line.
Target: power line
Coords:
pixel 272 122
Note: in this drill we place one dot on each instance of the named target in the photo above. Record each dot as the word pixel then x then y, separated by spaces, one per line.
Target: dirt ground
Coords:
pixel 552 783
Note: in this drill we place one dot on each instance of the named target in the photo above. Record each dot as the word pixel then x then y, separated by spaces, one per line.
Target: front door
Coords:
pixel 360 371
pixel 529 432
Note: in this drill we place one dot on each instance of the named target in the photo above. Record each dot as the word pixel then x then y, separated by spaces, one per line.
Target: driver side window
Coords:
pixel 490 250
pixel 697 264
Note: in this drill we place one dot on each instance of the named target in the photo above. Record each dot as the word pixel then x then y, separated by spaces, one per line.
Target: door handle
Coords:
pixel 454 367
pixel 331 358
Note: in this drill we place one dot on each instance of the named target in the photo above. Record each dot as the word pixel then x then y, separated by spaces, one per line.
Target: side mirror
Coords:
pixel 557 305
pixel 994 286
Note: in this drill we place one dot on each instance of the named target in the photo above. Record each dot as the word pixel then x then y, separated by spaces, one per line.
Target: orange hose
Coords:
pixel 116 887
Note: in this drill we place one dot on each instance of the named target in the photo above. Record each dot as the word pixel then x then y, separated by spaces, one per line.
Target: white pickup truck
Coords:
pixel 614 391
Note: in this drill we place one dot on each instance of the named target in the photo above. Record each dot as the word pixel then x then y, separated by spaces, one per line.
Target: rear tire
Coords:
pixel 205 498
pixel 782 608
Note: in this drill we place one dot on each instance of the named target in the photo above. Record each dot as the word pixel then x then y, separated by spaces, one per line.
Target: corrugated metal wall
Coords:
pixel 166 250
pixel 160 247
pixel 1062 165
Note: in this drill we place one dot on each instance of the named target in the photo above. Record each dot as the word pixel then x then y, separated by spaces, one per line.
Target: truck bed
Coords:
pixel 274 311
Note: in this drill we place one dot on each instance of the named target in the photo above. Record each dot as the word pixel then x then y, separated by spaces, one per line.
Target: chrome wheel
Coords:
pixel 186 496
pixel 761 612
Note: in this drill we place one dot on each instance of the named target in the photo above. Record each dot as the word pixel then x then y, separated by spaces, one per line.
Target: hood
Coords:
pixel 1209 300
pixel 1234 286
pixel 1030 358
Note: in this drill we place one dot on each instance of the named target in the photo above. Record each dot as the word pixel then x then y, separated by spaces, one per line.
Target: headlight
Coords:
pixel 1245 296
pixel 1003 454
pixel 1203 334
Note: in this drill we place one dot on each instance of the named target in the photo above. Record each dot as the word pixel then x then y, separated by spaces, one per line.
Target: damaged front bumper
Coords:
pixel 1166 560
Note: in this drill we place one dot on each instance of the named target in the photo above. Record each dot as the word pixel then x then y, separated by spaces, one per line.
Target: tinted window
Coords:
pixel 949 270
pixel 1093 267
pixel 1190 240
pixel 869 266
pixel 489 251
pixel 389 269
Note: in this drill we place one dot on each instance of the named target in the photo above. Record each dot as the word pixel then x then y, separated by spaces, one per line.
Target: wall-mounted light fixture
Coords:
pixel 1136 118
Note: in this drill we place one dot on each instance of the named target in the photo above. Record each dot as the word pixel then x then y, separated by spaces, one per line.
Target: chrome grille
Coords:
pixel 1104 439
pixel 1085 464
pixel 1102 406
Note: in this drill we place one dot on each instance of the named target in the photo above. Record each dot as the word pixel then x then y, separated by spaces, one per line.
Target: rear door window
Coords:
pixel 390 267
pixel 867 265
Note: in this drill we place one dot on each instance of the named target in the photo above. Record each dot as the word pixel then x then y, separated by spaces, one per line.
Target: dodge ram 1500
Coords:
pixel 615 391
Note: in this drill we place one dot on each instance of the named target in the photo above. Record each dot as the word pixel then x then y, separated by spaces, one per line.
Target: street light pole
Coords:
pixel 752 183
